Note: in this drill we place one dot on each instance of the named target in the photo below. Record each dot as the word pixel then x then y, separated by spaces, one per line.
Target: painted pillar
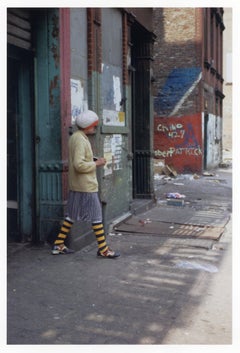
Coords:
pixel 65 94
pixel 50 165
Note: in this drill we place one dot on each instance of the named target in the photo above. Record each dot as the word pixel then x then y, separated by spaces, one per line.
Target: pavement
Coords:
pixel 172 284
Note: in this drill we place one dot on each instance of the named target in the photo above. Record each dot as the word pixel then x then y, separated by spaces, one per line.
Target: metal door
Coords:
pixel 20 155
pixel 12 153
pixel 142 131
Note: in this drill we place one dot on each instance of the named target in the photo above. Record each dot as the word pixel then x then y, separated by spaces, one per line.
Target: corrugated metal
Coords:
pixel 19 28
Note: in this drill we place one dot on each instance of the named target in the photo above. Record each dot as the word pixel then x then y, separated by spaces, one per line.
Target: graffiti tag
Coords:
pixel 188 151
pixel 172 130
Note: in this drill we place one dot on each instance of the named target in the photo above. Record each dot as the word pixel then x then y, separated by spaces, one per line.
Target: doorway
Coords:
pixel 205 159
pixel 20 146
pixel 142 135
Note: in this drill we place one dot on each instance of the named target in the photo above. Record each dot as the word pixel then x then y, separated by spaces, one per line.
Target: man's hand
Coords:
pixel 100 161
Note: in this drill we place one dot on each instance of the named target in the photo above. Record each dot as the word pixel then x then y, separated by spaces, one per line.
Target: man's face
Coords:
pixel 91 131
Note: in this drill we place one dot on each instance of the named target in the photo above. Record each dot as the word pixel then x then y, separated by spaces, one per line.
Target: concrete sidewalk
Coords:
pixel 162 290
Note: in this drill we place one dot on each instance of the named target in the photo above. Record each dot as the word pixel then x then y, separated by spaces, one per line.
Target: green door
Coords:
pixel 20 147
pixel 12 154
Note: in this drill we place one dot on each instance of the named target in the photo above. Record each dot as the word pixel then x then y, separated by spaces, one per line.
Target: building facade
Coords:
pixel 227 84
pixel 188 87
pixel 62 61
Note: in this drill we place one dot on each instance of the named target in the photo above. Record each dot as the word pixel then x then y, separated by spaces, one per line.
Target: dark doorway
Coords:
pixel 12 150
pixel 20 146
pixel 141 112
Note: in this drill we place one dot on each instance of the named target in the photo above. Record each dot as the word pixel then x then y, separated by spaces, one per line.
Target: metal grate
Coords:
pixel 142 178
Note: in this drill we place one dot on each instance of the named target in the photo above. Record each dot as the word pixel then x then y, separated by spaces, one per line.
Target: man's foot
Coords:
pixel 61 249
pixel 110 254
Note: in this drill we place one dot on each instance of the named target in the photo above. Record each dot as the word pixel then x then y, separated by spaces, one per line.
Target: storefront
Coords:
pixel 61 62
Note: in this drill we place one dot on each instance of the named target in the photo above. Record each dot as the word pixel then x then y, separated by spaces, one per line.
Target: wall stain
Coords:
pixel 53 85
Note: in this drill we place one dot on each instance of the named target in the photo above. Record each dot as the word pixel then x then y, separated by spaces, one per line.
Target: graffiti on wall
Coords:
pixel 178 140
pixel 172 130
pixel 179 85
pixel 78 104
pixel 182 132
pixel 171 151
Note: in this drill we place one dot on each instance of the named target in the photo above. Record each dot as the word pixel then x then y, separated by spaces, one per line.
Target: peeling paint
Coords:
pixel 111 88
pixel 55 29
pixel 213 138
pixel 55 36
pixel 55 52
pixel 113 118
pixel 113 153
pixel 53 85
pixel 78 103
pixel 117 92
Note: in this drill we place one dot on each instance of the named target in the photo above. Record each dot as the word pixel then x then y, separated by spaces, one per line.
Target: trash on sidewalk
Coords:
pixel 175 202
pixel 195 176
pixel 197 266
pixel 175 199
pixel 158 177
pixel 225 164
pixel 175 195
pixel 169 170
pixel 207 174
pixel 159 165
pixel 145 221
pixel 161 168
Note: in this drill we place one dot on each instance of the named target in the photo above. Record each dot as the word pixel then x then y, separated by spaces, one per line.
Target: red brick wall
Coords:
pixel 179 142
pixel 178 101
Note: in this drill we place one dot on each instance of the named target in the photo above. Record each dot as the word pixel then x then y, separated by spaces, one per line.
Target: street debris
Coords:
pixel 207 174
pixel 170 171
pixel 175 199
pixel 159 165
pixel 175 202
pixel 225 164
pixel 111 234
pixel 195 176
pixel 175 195
pixel 161 168
pixel 145 221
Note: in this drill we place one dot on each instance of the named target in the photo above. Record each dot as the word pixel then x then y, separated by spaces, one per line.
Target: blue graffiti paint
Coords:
pixel 189 138
pixel 177 84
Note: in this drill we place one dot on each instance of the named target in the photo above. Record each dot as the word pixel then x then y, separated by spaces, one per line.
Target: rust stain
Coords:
pixel 55 52
pixel 55 30
pixel 53 85
pixel 55 35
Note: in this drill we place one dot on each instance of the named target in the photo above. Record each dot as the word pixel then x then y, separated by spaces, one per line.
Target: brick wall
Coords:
pixel 177 60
